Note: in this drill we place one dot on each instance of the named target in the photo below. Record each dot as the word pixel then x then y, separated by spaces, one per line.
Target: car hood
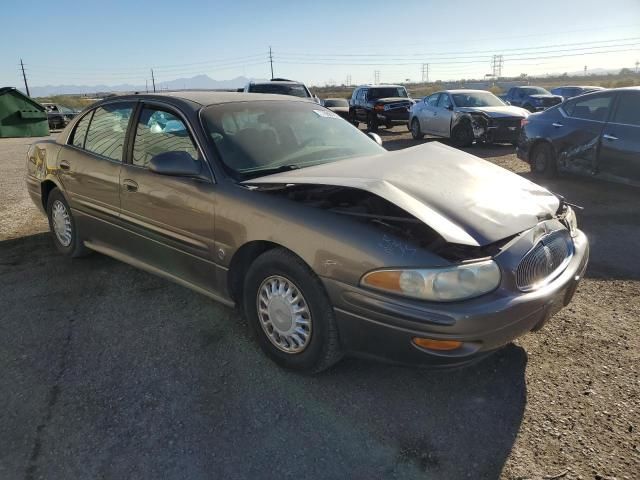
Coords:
pixel 465 199
pixel 497 112
pixel 545 95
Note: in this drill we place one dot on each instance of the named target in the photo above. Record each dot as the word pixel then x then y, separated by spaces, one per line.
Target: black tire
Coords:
pixel 372 123
pixel 462 135
pixel 75 248
pixel 543 160
pixel 323 347
pixel 416 132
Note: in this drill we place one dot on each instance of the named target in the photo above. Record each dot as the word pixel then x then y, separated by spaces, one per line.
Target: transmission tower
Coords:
pixel 376 77
pixel 497 63
pixel 425 73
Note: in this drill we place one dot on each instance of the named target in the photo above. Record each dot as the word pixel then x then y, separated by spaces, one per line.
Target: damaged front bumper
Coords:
pixel 495 130
pixel 381 326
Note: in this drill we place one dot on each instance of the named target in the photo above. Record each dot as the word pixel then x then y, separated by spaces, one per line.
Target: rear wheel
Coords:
pixel 66 236
pixel 416 133
pixel 462 135
pixel 289 312
pixel 543 160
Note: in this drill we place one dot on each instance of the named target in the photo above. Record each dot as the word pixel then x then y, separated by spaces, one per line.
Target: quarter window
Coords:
pixel 108 130
pixel 592 108
pixel 159 131
pixel 628 111
pixel 80 131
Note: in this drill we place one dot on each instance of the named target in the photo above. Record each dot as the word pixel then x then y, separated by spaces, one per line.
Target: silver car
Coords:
pixel 466 116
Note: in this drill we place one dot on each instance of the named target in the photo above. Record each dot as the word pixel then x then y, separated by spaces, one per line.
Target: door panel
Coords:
pixel 171 218
pixel 89 166
pixel 442 117
pixel 427 114
pixel 577 136
pixel 620 147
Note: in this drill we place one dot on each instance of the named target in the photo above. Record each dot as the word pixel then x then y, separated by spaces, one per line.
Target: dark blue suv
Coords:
pixel 534 99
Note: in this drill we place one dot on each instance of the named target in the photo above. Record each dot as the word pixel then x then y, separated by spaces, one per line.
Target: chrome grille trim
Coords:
pixel 545 261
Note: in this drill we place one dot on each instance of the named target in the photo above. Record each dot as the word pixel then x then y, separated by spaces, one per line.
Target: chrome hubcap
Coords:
pixel 284 314
pixel 61 223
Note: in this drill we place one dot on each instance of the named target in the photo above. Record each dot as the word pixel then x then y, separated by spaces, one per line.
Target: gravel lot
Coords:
pixel 109 372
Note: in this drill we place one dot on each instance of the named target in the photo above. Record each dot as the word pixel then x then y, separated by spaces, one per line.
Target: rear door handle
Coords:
pixel 557 125
pixel 130 185
pixel 609 137
pixel 64 165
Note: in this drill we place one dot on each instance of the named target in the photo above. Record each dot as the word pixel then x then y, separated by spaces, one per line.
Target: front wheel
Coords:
pixel 66 236
pixel 462 135
pixel 416 132
pixel 543 161
pixel 289 312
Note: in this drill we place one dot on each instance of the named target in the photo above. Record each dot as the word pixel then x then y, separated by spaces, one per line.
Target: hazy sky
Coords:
pixel 86 42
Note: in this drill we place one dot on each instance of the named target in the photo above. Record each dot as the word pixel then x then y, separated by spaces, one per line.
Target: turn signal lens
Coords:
pixel 523 122
pixel 379 108
pixel 442 345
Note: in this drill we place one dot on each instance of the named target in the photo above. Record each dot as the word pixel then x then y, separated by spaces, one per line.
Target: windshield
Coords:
pixel 536 91
pixel 477 99
pixel 336 102
pixel 254 138
pixel 387 92
pixel 293 89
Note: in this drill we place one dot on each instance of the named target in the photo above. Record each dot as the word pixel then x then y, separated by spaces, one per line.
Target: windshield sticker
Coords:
pixel 326 114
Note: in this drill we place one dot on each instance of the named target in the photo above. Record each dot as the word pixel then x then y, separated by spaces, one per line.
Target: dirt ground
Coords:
pixel 109 372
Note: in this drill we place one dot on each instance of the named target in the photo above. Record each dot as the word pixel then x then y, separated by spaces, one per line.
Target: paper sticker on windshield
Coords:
pixel 326 114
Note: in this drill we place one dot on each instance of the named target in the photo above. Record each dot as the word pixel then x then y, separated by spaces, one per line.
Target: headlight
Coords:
pixel 437 284
pixel 571 221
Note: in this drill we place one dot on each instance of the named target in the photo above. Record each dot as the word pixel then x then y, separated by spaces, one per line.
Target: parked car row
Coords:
pixel 58 115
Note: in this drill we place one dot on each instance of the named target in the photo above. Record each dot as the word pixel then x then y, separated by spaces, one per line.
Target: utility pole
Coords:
pixel 585 70
pixel 26 85
pixel 637 63
pixel 271 61
pixel 153 81
pixel 146 85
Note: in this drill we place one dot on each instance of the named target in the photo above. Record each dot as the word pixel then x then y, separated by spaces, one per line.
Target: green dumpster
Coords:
pixel 20 116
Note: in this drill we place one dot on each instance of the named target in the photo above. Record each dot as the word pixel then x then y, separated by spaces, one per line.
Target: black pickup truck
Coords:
pixel 534 99
pixel 377 105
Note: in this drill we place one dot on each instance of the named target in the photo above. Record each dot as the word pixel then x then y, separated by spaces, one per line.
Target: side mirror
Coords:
pixel 375 137
pixel 177 164
pixel 450 108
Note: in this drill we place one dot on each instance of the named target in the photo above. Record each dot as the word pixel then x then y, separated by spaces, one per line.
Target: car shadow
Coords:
pixel 112 372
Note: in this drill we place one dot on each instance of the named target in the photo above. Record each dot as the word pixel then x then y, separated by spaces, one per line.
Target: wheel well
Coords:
pixel 46 188
pixel 241 262
pixel 536 144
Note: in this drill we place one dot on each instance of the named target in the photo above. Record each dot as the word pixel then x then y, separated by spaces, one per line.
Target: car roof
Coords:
pixel 386 85
pixel 580 86
pixel 205 98
pixel 276 82
pixel 463 90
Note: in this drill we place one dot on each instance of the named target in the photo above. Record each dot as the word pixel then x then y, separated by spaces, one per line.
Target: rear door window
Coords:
pixel 628 109
pixel 594 108
pixel 108 130
pixel 444 101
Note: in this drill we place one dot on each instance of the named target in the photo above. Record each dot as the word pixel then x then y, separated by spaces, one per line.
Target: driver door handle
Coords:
pixel 609 137
pixel 130 185
pixel 557 125
pixel 64 165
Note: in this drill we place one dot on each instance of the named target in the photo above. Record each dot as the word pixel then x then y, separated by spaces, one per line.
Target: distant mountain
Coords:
pixel 197 82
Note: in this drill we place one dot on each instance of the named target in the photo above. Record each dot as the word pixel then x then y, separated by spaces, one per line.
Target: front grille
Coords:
pixel 506 122
pixel 391 106
pixel 545 261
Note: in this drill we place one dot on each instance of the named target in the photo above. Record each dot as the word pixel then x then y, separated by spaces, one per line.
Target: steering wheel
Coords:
pixel 312 141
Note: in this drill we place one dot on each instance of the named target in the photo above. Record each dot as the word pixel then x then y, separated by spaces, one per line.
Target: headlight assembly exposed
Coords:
pixel 447 284
pixel 571 221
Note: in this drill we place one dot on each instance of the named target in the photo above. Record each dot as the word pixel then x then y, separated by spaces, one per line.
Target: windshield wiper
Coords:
pixel 269 170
